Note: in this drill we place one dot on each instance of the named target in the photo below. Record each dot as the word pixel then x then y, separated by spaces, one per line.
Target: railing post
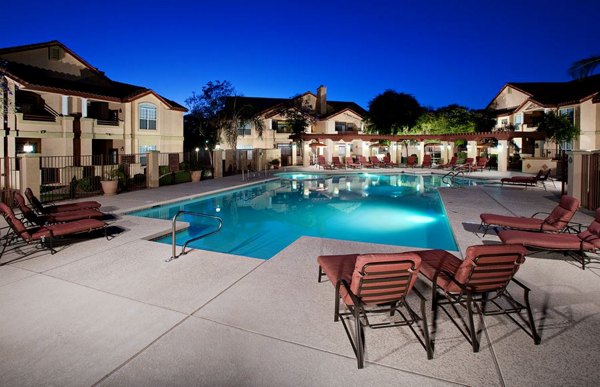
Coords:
pixel 152 170
pixel 30 172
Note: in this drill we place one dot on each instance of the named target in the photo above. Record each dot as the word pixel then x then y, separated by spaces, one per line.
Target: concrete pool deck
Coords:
pixel 115 313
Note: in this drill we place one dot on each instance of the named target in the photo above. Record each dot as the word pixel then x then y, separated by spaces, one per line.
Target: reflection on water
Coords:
pixel 261 220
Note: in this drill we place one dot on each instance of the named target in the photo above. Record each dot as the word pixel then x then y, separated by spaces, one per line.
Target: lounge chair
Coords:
pixel 411 162
pixel 363 162
pixel 376 163
pixel 336 163
pixel 45 235
pixel 466 166
pixel 556 221
pixel 350 163
pixel 450 164
pixel 574 245
pixel 476 283
pixel 41 209
pixel 323 163
pixel 387 162
pixel 481 164
pixel 426 161
pixel 527 180
pixel 57 217
pixel 375 283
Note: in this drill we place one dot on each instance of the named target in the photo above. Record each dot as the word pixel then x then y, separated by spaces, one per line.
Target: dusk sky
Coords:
pixel 441 52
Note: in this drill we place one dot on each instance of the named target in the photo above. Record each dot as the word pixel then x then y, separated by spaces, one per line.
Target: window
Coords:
pixel 147 116
pixel 569 113
pixel 281 126
pixel 518 121
pixel 245 129
pixel 344 126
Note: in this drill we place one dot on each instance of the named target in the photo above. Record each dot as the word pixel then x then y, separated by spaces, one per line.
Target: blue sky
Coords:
pixel 441 52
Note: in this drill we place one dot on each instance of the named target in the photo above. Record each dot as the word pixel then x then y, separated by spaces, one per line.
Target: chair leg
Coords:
pixel 426 330
pixel 536 338
pixel 474 341
pixel 320 274
pixel 337 304
pixel 360 345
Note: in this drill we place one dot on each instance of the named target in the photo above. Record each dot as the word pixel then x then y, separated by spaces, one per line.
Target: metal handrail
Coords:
pixel 452 175
pixel 174 230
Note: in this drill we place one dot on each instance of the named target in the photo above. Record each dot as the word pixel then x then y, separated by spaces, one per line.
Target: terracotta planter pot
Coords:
pixel 109 187
pixel 196 176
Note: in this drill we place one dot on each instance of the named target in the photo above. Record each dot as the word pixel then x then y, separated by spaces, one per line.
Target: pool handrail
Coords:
pixel 452 175
pixel 174 231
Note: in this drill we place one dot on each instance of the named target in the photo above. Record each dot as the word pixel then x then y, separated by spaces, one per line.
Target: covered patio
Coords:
pixel 330 145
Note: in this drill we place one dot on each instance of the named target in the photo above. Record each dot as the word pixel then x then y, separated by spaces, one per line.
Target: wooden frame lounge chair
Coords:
pixel 527 180
pixel 41 209
pixel 44 236
pixel 476 283
pixel 57 217
pixel 557 221
pixel 574 245
pixel 375 283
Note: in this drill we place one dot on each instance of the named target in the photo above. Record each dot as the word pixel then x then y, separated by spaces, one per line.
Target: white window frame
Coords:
pixel 146 111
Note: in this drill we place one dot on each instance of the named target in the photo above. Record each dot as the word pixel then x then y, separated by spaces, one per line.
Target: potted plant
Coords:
pixel 274 163
pixel 195 171
pixel 110 183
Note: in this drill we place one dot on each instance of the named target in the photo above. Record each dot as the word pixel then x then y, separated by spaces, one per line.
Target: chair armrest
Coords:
pixel 540 212
pixel 346 286
pixel 520 284
pixel 573 228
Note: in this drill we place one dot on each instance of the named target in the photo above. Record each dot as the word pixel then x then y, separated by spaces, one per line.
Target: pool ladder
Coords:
pixel 174 231
pixel 449 177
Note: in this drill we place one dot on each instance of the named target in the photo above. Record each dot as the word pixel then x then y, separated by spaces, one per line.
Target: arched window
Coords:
pixel 147 116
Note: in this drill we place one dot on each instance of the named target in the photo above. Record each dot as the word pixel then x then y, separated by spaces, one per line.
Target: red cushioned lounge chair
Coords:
pixel 44 236
pixel 527 180
pixel 481 164
pixel 387 161
pixel 450 164
pixel 57 217
pixel 574 245
pixel 411 162
pixel 376 163
pixel 336 163
pixel 350 163
pixel 323 163
pixel 476 283
pixel 364 162
pixel 426 161
pixel 557 221
pixel 375 283
pixel 41 209
pixel 467 166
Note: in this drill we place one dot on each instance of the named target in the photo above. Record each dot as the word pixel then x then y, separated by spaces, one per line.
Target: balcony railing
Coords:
pixel 107 122
pixel 37 117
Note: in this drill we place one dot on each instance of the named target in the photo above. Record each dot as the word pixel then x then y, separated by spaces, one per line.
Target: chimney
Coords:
pixel 322 100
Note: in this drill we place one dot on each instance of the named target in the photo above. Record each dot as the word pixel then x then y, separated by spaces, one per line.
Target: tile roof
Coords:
pixel 91 82
pixel 560 93
pixel 262 105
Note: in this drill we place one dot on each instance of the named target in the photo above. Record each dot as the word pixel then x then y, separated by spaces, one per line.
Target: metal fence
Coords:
pixel 69 177
pixel 590 181
pixel 9 179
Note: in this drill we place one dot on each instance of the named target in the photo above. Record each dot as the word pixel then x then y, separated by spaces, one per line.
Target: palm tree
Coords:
pixel 584 68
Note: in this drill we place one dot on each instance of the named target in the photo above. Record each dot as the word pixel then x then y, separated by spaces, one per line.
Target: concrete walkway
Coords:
pixel 115 313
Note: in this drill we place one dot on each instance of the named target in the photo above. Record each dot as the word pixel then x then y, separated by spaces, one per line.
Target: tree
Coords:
pixel 584 68
pixel 558 128
pixel 207 112
pixel 218 112
pixel 448 119
pixel 392 112
pixel 298 113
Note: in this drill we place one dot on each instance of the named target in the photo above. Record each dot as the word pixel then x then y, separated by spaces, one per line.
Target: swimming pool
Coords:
pixel 261 220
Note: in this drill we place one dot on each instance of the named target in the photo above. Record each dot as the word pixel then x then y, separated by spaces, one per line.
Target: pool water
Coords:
pixel 261 220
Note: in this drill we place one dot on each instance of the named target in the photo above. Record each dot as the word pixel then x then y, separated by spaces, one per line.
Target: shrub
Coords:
pixel 89 184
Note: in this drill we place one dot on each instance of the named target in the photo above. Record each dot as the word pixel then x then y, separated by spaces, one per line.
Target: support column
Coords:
pixel 421 151
pixel 328 152
pixel 502 155
pixel 294 160
pixel 445 155
pixel 306 153
pixel 30 172
pixel 394 152
pixel 152 173
pixel 472 149
pixel 575 173
pixel 217 163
